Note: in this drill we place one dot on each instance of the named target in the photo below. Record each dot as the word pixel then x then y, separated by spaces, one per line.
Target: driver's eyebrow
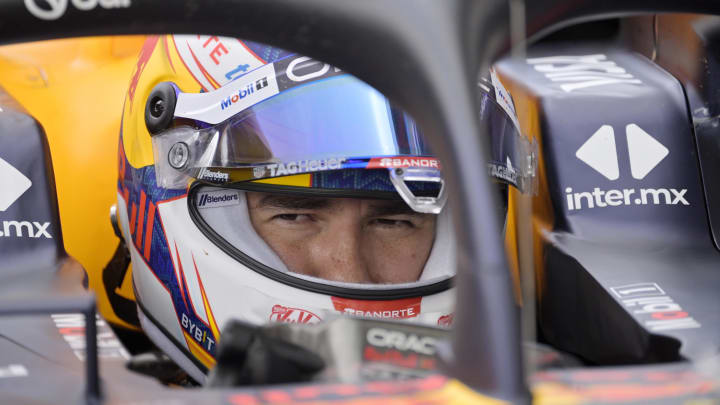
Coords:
pixel 292 202
pixel 391 208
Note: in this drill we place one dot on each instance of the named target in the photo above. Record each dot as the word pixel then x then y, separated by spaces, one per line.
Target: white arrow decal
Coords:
pixel 599 152
pixel 644 150
pixel 12 185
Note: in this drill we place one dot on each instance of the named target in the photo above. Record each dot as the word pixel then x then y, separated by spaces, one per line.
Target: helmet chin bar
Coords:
pixel 425 205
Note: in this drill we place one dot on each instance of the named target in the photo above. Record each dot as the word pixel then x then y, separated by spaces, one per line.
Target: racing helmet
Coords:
pixel 210 123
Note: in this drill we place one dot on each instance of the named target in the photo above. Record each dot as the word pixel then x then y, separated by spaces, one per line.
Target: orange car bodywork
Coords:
pixel 75 89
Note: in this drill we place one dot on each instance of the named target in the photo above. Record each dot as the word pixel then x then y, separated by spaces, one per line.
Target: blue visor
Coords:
pixel 335 117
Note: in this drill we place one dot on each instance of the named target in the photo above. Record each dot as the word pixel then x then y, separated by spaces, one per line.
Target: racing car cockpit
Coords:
pixel 388 217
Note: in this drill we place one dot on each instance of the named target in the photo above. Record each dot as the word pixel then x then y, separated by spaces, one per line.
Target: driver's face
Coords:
pixel 344 239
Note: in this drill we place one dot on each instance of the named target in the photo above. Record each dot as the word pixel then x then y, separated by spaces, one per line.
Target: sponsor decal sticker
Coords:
pixel 403 162
pixel 218 105
pixel 293 315
pixel 446 320
pixel 645 153
pixel 22 229
pixel 299 69
pixel 400 348
pixel 258 171
pixel 214 176
pixel 503 172
pixel 582 72
pixel 13 184
pixel 250 90
pixel 396 358
pixel 397 309
pixel 55 9
pixel 13 370
pixel 503 98
pixel 395 339
pixel 656 310
pixel 244 92
pixel 399 358
pixel 220 198
pixel 300 166
pixel 198 332
pixel 615 197
pixel 72 329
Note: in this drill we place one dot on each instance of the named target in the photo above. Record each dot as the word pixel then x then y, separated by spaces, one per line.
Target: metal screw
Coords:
pixel 178 155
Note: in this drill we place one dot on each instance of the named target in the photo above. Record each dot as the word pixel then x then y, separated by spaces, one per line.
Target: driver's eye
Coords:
pixel 387 222
pixel 293 217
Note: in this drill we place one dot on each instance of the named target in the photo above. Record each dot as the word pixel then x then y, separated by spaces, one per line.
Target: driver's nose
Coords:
pixel 337 255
